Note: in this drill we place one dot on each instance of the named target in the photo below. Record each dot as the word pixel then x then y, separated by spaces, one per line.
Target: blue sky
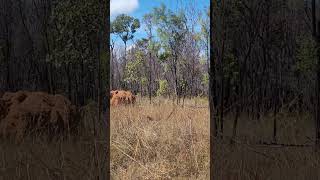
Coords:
pixel 138 8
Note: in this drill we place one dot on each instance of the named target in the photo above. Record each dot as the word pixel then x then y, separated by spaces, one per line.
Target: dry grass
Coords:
pixel 160 141
pixel 36 159
pixel 247 160
pixel 258 163
pixel 164 141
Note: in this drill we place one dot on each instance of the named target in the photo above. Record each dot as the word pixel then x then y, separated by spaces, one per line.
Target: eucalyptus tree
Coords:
pixel 171 28
pixel 125 26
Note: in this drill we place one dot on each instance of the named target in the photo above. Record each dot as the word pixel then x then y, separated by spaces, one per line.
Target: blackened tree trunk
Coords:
pixel 235 123
pixel 318 96
pixel 212 96
pixel 221 104
pixel 221 67
pixel 68 69
pixel 105 41
pixel 275 110
pixel 316 36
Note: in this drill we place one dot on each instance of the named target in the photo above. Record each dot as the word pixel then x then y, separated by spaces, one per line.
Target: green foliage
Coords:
pixel 183 83
pixel 133 69
pixel 202 60
pixel 74 27
pixel 164 57
pixel 104 69
pixel 205 79
pixel 147 19
pixel 131 75
pixel 205 25
pixel 230 68
pixel 142 43
pixel 163 88
pixel 125 26
pixel 306 56
pixel 153 46
pixel 144 81
pixel 171 26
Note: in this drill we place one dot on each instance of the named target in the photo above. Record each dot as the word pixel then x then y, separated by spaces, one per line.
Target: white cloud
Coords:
pixel 123 6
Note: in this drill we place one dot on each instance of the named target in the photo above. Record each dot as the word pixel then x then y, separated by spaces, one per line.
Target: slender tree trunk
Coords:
pixel 235 122
pixel 318 96
pixel 124 84
pixel 69 81
pixel 276 98
pixel 150 77
pixel 111 69
pixel 8 80
pixel 8 60
pixel 222 106
pixel 176 83
pixel 83 88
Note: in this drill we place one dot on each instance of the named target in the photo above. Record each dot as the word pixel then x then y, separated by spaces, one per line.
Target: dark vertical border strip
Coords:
pixel 211 102
pixel 105 94
pixel 107 114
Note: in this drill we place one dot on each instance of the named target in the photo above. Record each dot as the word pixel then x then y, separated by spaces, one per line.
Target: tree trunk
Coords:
pixel 276 101
pixel 222 106
pixel 150 77
pixel 69 81
pixel 8 60
pixel 318 97
pixel 235 122
pixel 316 36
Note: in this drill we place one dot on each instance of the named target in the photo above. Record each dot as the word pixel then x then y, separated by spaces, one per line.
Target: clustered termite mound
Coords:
pixel 25 113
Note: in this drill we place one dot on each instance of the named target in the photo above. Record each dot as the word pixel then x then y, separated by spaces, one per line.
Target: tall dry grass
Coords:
pixel 246 162
pixel 164 141
pixel 82 157
pixel 249 158
pixel 160 140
